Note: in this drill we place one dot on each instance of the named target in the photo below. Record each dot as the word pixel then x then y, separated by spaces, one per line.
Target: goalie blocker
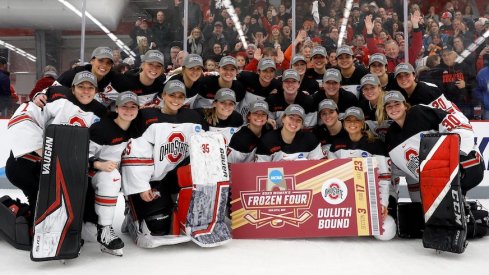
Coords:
pixel 441 195
pixel 62 191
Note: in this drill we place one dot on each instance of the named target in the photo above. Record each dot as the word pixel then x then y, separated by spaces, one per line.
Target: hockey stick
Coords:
pixel 302 218
pixel 256 221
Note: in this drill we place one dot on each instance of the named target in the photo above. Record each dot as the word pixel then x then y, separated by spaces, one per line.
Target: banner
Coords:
pixel 301 199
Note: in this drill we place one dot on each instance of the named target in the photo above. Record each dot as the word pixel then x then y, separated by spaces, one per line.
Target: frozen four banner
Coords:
pixel 304 199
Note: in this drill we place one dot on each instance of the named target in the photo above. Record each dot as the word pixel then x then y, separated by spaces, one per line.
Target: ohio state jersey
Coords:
pixel 158 151
pixel 108 140
pixel 26 127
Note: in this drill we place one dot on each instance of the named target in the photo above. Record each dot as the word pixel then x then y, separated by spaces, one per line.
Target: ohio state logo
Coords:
pixel 334 191
pixel 412 159
pixel 77 121
pixel 175 149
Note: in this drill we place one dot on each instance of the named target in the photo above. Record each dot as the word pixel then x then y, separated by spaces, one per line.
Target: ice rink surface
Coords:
pixel 299 257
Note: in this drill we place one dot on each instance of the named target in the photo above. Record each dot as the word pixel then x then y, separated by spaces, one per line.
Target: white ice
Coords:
pixel 281 256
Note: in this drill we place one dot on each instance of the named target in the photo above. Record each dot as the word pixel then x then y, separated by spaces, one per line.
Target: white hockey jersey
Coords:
pixel 161 148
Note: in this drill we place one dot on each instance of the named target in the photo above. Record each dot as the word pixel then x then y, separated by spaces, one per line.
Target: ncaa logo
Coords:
pixel 232 130
pixel 198 128
pixel 300 156
pixel 275 176
pixel 334 191
pixel 364 154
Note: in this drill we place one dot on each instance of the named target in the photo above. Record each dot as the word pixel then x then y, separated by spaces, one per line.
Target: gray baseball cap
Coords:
pixel 377 57
pixel 369 79
pixel 403 68
pixel 393 96
pixel 259 105
pixel 295 109
pixel 125 97
pixel 332 74
pixel 228 60
pixel 298 58
pixel 103 52
pixel 193 60
pixel 224 94
pixel 327 104
pixel 266 63
pixel 319 50
pixel 154 56
pixel 174 86
pixel 84 76
pixel 345 49
pixel 291 74
pixel 354 111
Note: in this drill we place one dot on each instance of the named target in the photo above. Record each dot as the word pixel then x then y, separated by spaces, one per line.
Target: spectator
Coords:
pixel 241 60
pixel 194 14
pixel 208 27
pixel 481 92
pixel 162 33
pixel 230 33
pixel 446 20
pixel 141 49
pixel 141 30
pixel 217 52
pixel 117 56
pixel 195 42
pixel 5 99
pixel 392 50
pixel 174 50
pixel 217 37
pixel 275 39
pixel 50 74
pixel 434 30
pixel 461 30
pixel 276 54
pixel 180 57
pixel 331 39
pixel 210 65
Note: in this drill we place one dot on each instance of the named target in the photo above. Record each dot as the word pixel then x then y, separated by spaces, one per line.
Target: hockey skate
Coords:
pixel 109 242
pixel 143 237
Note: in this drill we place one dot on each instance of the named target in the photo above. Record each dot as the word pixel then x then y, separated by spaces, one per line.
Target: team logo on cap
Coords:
pixel 227 93
pixel 177 84
pixel 268 62
pixel 195 59
pixel 297 109
pixel 260 105
pixel 87 75
pixel 332 73
pixel 155 55
pixel 369 78
pixel 106 51
pixel 354 111
pixel 392 96
pixel 402 67
pixel 290 74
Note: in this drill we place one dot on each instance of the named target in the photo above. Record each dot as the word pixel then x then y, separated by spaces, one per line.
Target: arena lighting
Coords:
pixel 229 7
pixel 346 15
pixel 112 36
pixel 18 51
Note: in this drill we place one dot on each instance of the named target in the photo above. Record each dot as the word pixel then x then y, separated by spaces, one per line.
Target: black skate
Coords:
pixel 109 242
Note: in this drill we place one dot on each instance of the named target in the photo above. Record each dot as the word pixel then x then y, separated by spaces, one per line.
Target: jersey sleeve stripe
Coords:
pixel 19 119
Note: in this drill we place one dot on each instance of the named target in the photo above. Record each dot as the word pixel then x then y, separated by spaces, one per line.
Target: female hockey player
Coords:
pixel 290 94
pixel 222 117
pixel 149 166
pixel 108 139
pixel 405 133
pixel 289 142
pixel 73 106
pixel 372 105
pixel 330 126
pixel 208 85
pixel 147 81
pixel 242 147
pixel 192 70
pixel 361 143
pixel 100 66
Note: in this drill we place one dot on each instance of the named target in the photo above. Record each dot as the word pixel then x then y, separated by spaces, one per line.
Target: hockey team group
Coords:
pixel 140 124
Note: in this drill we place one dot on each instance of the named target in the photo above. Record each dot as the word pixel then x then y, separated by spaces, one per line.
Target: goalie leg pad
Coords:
pixel 62 190
pixel 206 218
pixel 443 204
pixel 14 227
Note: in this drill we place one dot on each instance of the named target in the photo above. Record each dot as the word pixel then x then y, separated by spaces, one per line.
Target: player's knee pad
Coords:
pixel 16 222
pixel 477 221
pixel 107 183
pixel 159 224
pixel 410 220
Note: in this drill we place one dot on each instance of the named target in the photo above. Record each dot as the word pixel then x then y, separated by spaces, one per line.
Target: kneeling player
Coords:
pixel 108 138
pixel 149 166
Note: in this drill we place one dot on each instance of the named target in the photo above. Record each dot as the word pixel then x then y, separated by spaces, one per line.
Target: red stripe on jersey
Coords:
pixel 471 162
pixel 137 162
pixel 32 157
pixel 18 119
pixel 105 200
